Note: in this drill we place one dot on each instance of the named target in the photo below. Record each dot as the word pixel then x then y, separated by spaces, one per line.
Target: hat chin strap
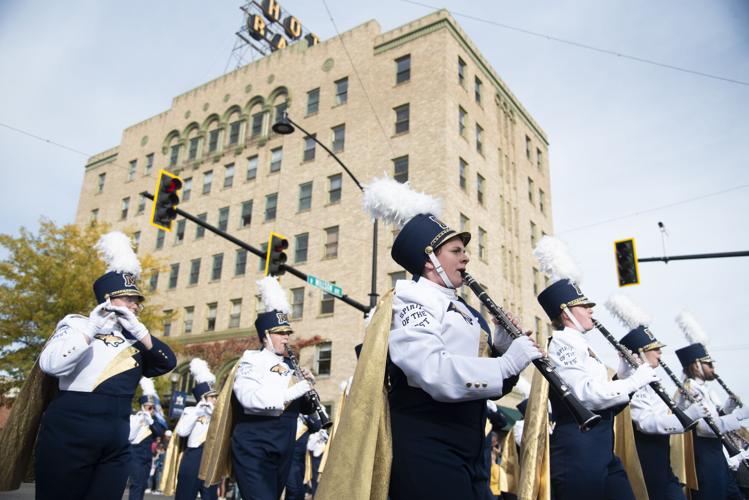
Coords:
pixel 440 271
pixel 572 318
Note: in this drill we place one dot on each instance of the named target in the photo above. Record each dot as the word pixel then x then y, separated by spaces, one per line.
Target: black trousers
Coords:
pixel 188 482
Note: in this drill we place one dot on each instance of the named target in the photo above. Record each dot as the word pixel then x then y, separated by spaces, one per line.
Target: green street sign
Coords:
pixel 326 286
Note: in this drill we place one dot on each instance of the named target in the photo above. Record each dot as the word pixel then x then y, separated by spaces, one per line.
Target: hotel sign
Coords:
pixel 268 26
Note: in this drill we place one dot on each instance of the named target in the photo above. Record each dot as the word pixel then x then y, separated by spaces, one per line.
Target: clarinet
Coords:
pixel 584 417
pixel 312 396
pixel 727 443
pixel 684 420
pixel 730 393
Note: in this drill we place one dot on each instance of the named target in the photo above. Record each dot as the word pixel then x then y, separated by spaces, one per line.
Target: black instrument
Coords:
pixel 684 420
pixel 584 417
pixel 312 396
pixel 730 393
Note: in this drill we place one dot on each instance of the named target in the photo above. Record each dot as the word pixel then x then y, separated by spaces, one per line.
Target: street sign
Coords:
pixel 326 286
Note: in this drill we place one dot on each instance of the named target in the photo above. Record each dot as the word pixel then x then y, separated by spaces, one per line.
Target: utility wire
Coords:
pixel 586 46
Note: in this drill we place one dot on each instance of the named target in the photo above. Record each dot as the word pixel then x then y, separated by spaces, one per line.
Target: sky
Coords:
pixel 633 139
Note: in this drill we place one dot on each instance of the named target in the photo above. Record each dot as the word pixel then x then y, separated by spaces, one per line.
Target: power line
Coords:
pixel 586 46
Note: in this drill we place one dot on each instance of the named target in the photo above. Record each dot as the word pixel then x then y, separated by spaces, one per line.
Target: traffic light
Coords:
pixel 275 256
pixel 165 202
pixel 626 262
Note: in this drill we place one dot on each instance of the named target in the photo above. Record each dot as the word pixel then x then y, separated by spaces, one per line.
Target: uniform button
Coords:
pixel 484 384
pixel 468 384
pixel 477 385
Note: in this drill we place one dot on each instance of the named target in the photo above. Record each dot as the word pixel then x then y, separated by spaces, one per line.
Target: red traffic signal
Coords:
pixel 166 200
pixel 275 256
pixel 626 262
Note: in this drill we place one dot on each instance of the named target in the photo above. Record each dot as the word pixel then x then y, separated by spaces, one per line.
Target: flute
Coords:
pixel 684 420
pixel 312 396
pixel 584 417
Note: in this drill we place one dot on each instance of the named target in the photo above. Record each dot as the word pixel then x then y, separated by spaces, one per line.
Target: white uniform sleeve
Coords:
pixel 650 414
pixel 186 422
pixel 63 351
pixel 135 422
pixel 250 391
pixel 418 349
pixel 517 431
pixel 594 393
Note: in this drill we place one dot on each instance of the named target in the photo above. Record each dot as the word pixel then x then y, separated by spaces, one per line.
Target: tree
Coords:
pixel 43 278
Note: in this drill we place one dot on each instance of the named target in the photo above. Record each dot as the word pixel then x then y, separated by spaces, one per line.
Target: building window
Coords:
pixel 400 169
pixel 234 128
pixel 542 201
pixel 167 322
pixel 297 303
pixel 194 271
pixel 173 276
pixel 301 244
pixel 124 208
pixel 218 264
pixel 339 138
pixel 461 71
pixel 257 124
pixel 186 189
pixel 187 322
pixel 94 216
pixel 341 91
pixel 527 147
pixel 246 215
pixel 251 167
pixel 207 181
pixel 213 140
pixel 271 203
pixel 479 139
pixel 141 203
pixel 136 241
pixel 160 235
pixel 531 190
pixel 477 89
pixel 102 179
pixel 482 244
pixel 327 304
pixel 149 164
pixel 323 358
pixel 153 281
pixel 228 175
pixel 334 191
pixel 534 234
pixel 536 276
pixel 480 183
pixel 240 262
pixel 401 119
pixel 461 121
pixel 223 218
pixel 313 101
pixel 235 313
pixel 331 242
pixel 173 155
pixel 200 230
pixel 462 173
pixel 309 148
pixel 192 148
pixel 276 157
pixel 211 317
pixel 131 169
pixel 403 69
pixel 465 223
pixel 539 159
pixel 305 196
pixel 179 233
pixel 396 276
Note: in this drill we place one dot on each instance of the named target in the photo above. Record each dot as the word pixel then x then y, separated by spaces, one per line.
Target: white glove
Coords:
pixel 146 418
pixel 697 411
pixel 130 322
pixel 518 355
pixel 296 391
pixel 644 375
pixel 100 319
pixel 205 409
pixel 625 370
pixel 501 340
pixel 741 413
pixel 735 461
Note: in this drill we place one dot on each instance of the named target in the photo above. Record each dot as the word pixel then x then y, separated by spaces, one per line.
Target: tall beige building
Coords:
pixel 418 102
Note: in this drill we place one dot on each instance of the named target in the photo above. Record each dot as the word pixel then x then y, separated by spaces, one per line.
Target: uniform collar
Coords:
pixel 271 354
pixel 450 293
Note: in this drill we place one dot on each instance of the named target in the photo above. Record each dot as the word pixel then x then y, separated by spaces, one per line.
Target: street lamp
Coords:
pixel 286 126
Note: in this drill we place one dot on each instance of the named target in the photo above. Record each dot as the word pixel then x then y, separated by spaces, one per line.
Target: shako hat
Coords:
pixel 123 268
pixel 696 336
pixel 149 395
pixel 275 319
pixel 204 379
pixel 639 337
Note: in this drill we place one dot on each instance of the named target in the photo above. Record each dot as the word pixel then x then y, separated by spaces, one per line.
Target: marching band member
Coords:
pixel 82 450
pixel 193 425
pixel 263 439
pixel 713 476
pixel 583 464
pixel 438 383
pixel 145 427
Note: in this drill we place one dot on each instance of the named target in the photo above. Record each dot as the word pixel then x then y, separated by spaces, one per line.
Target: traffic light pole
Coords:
pixel 743 253
pixel 290 269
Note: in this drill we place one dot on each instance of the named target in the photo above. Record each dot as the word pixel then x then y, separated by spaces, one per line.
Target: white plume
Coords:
pixel 273 296
pixel 146 384
pixel 692 329
pixel 116 250
pixel 396 203
pixel 626 311
pixel 555 260
pixel 523 387
pixel 200 371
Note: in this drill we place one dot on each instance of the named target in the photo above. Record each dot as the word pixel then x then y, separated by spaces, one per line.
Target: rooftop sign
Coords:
pixel 268 26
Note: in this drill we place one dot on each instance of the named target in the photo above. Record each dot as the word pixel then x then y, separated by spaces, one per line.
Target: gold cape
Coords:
pixel 359 462
pixel 508 473
pixel 216 462
pixel 172 459
pixel 18 437
pixel 626 450
pixel 534 482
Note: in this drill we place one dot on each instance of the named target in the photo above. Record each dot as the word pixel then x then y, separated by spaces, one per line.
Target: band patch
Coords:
pixel 280 368
pixel 567 355
pixel 63 331
pixel 452 307
pixel 413 314
pixel 109 339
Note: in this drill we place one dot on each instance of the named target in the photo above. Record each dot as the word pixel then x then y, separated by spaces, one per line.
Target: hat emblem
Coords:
pixel 577 288
pixel 441 224
pixel 648 333
pixel 282 317
pixel 129 279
